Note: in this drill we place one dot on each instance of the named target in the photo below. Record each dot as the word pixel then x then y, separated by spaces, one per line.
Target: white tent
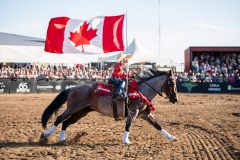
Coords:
pixel 74 58
pixel 15 48
pixel 23 49
pixel 112 58
pixel 137 54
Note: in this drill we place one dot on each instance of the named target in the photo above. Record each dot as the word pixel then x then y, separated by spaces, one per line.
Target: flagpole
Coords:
pixel 126 50
pixel 159 33
pixel 126 33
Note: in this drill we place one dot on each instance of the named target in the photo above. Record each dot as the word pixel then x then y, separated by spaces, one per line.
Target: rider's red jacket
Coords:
pixel 118 71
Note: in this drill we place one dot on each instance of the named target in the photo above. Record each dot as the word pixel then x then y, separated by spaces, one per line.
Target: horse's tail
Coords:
pixel 54 106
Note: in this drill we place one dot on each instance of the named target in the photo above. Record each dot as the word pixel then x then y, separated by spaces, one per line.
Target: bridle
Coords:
pixel 158 92
pixel 170 83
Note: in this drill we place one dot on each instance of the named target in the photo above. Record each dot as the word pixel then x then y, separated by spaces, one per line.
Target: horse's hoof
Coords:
pixel 43 139
pixel 64 142
pixel 173 139
pixel 127 143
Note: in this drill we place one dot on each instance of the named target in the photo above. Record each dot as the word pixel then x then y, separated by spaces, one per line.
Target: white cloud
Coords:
pixel 212 27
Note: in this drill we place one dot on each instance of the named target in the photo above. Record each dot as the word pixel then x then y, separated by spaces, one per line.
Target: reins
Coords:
pixel 159 93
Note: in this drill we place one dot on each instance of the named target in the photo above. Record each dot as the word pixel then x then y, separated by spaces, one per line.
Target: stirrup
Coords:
pixel 120 96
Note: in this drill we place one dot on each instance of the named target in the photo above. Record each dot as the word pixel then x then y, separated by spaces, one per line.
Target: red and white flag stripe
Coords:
pixel 108 36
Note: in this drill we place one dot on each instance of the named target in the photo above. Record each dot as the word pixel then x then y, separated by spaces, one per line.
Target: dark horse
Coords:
pixel 81 100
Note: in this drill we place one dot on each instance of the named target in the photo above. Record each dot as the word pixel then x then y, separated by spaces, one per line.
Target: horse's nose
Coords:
pixel 175 99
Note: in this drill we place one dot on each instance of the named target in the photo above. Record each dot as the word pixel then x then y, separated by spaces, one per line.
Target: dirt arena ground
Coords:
pixel 206 126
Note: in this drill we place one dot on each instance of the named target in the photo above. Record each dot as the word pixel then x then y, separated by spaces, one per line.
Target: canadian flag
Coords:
pixel 99 35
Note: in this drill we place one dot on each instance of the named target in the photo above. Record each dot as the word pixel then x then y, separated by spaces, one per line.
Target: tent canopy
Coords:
pixel 136 54
pixel 73 58
pixel 23 49
pixel 18 40
pixel 16 48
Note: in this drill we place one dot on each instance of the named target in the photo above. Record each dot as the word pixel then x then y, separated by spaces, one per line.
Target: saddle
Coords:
pixel 109 89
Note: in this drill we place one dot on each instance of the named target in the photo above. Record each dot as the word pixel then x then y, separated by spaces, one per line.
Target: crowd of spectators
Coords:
pixel 42 72
pixel 205 68
pixel 214 68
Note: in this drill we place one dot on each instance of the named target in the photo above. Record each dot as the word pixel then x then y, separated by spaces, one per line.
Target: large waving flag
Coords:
pixel 99 35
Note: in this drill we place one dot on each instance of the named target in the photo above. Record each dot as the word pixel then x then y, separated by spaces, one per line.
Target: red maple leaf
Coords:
pixel 83 36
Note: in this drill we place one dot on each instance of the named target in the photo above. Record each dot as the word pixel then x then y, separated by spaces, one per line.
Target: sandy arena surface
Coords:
pixel 206 126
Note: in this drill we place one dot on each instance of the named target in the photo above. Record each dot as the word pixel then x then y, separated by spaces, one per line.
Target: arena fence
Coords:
pixel 33 86
pixel 197 87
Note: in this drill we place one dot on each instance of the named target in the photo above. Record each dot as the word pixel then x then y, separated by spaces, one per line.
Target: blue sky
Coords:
pixel 183 23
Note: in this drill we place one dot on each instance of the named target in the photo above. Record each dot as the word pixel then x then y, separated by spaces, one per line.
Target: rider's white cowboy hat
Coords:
pixel 122 57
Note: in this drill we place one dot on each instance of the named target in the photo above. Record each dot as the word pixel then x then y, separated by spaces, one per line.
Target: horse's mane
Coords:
pixel 149 74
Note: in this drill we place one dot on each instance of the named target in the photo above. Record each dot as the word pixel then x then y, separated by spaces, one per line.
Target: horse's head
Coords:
pixel 157 82
pixel 170 87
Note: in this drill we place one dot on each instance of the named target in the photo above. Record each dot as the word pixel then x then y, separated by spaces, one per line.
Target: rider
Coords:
pixel 118 77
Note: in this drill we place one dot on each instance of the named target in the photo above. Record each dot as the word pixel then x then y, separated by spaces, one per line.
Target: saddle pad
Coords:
pixel 104 90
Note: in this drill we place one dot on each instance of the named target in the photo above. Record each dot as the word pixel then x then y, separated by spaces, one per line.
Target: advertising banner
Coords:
pixel 19 86
pixel 190 87
pixel 48 87
pixel 4 86
pixel 22 87
pixel 70 84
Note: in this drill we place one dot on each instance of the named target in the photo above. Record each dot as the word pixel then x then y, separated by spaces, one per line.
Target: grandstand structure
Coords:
pixel 195 51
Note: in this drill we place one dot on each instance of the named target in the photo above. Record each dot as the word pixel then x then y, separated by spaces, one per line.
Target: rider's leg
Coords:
pixel 71 120
pixel 119 87
pixel 122 87
pixel 117 82
pixel 150 118
pixel 131 117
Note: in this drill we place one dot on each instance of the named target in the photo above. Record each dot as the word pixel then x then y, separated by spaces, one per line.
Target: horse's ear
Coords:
pixel 170 72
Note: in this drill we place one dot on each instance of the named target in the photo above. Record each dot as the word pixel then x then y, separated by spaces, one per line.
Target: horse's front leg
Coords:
pixel 150 118
pixel 132 114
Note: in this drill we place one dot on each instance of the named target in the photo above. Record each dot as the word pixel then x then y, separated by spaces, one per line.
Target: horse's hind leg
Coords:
pixel 150 118
pixel 71 120
pixel 59 120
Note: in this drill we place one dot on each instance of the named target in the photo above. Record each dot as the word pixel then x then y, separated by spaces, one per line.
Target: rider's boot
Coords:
pixel 121 96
